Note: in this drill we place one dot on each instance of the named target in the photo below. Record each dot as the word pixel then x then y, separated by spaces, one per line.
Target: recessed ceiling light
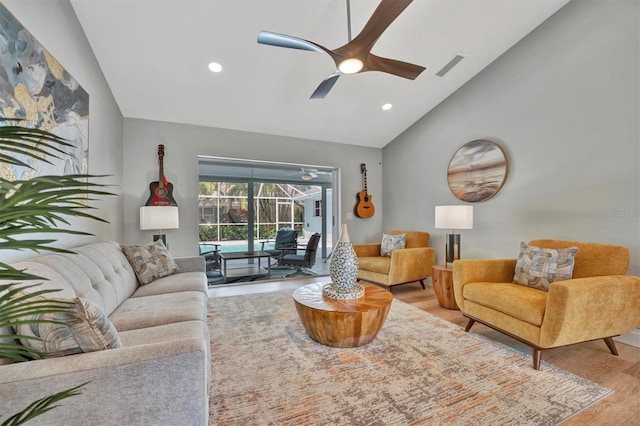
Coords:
pixel 215 67
pixel 386 107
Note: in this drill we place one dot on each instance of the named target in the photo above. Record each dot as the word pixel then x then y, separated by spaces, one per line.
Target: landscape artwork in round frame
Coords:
pixel 477 171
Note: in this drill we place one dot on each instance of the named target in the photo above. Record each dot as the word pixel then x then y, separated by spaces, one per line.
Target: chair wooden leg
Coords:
pixel 469 324
pixel 537 356
pixel 422 284
pixel 611 345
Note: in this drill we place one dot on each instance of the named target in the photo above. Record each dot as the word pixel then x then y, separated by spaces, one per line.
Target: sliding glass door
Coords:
pixel 239 208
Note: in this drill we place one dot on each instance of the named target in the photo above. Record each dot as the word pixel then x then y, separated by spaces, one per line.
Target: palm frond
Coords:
pixel 36 206
pixel 16 352
pixel 33 143
pixel 41 205
pixel 8 272
pixel 18 308
pixel 41 406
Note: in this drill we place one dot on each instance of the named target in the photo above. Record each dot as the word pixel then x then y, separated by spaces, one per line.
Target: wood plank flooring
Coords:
pixel 591 360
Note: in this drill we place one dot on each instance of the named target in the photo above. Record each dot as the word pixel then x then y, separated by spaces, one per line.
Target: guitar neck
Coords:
pixel 161 175
pixel 364 180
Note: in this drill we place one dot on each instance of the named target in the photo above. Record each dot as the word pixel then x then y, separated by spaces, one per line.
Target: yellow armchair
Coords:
pixel 413 263
pixel 599 302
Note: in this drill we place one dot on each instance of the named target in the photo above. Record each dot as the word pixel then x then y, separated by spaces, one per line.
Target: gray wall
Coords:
pixel 53 23
pixel 183 144
pixel 563 103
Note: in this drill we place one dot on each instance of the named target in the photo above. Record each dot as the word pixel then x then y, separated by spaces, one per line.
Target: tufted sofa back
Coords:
pixel 98 272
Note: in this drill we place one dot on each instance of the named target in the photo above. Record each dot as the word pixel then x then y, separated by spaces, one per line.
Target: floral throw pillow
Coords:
pixel 83 328
pixel 150 261
pixel 539 267
pixel 391 243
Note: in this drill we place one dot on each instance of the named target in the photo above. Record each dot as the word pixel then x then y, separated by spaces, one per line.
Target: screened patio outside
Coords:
pixel 225 210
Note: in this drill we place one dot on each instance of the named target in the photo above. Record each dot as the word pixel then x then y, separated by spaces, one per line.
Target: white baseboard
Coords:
pixel 631 338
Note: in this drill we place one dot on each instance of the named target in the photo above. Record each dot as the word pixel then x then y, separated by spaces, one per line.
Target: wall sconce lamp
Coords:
pixel 454 217
pixel 159 217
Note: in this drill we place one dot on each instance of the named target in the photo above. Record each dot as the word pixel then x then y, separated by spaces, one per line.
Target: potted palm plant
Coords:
pixel 31 211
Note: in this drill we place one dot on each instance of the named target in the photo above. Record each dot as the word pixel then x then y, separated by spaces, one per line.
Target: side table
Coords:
pixel 442 280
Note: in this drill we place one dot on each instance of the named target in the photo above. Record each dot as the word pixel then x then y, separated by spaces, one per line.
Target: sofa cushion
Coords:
pixel 52 280
pixel 150 261
pixel 84 328
pixel 538 267
pixel 525 303
pixel 176 283
pixel 150 311
pixel 377 264
pixel 391 243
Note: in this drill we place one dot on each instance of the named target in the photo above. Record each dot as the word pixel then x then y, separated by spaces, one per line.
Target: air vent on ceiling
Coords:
pixel 452 63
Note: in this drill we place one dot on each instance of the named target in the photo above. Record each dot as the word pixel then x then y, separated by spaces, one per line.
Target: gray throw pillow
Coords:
pixel 150 261
pixel 391 243
pixel 84 328
pixel 539 267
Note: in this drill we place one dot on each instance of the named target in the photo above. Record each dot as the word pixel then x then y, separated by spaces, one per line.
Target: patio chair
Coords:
pixel 211 257
pixel 303 262
pixel 286 242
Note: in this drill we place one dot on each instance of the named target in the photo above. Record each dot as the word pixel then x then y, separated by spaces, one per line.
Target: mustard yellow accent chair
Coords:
pixel 600 301
pixel 412 263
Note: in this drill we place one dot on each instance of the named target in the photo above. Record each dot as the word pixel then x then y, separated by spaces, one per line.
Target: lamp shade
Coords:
pixel 159 217
pixel 454 217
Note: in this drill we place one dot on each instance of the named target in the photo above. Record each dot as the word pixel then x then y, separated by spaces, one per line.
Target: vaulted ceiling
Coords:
pixel 155 54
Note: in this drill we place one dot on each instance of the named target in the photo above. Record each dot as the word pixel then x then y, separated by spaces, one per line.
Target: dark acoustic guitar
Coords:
pixel 364 208
pixel 162 190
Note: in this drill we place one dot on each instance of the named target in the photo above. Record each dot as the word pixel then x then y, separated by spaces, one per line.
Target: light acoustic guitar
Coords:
pixel 162 190
pixel 364 208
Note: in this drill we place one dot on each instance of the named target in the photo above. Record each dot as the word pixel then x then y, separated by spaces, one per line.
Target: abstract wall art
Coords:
pixel 477 171
pixel 35 88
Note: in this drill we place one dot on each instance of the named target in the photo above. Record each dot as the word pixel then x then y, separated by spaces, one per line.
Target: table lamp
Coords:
pixel 159 217
pixel 454 217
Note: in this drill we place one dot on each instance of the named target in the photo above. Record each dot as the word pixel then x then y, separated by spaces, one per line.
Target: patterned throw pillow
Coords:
pixel 538 267
pixel 150 261
pixel 84 328
pixel 391 243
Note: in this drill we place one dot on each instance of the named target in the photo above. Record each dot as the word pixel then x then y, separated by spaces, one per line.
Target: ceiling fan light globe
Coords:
pixel 215 67
pixel 350 66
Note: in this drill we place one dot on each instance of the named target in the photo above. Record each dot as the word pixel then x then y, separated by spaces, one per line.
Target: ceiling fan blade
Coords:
pixel 358 48
pixel 324 87
pixel 282 40
pixel 386 12
pixel 392 66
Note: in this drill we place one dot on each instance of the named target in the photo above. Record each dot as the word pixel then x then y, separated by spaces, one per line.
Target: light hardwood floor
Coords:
pixel 591 360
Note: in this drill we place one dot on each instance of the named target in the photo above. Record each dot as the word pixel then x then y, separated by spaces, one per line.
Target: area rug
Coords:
pixel 419 370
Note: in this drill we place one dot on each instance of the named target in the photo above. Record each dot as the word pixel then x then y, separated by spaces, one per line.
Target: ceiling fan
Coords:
pixel 355 56
pixel 309 174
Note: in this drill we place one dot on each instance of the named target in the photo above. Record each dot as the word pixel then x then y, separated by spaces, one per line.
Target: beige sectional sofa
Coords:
pixel 160 374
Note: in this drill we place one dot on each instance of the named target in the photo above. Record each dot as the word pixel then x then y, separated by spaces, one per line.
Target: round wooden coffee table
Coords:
pixel 342 323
